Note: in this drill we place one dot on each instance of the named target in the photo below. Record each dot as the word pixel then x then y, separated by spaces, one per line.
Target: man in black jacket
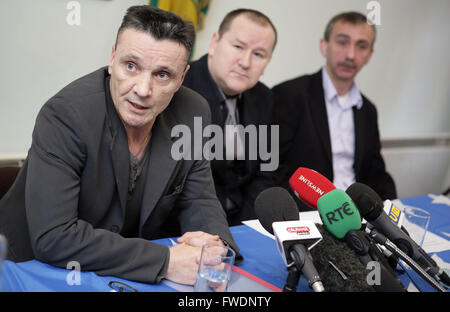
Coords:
pixel 228 77
pixel 326 124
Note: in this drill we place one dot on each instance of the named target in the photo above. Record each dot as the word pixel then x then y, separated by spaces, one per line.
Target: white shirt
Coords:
pixel 342 130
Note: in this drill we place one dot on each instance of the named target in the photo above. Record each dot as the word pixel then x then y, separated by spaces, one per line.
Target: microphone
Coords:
pixel 275 204
pixel 278 214
pixel 339 267
pixel 371 207
pixel 342 219
pixel 309 186
pixel 398 217
pixel 338 213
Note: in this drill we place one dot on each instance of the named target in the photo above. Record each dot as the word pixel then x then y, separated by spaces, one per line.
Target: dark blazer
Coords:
pixel 305 137
pixel 255 108
pixel 68 202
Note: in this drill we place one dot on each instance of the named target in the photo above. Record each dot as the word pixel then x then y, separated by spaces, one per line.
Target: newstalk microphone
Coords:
pixel 278 214
pixel 309 186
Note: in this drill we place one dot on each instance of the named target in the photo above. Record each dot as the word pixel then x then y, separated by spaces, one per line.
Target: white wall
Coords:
pixel 40 53
pixel 407 78
pixel 419 170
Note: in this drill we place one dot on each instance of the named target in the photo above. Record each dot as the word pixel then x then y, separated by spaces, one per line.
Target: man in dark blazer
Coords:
pixel 99 181
pixel 237 56
pixel 326 124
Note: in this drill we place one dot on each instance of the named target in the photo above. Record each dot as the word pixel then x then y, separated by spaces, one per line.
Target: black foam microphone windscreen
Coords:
pixel 338 266
pixel 275 204
pixel 361 193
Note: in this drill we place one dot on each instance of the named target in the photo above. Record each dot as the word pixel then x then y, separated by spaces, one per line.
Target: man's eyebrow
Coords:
pixel 342 36
pixel 243 43
pixel 164 68
pixel 131 57
pixel 137 59
pixel 365 41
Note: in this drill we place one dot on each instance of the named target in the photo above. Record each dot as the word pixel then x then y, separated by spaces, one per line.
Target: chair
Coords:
pixel 7 177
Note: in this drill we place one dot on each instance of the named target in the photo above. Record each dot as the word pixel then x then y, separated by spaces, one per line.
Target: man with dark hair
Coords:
pixel 99 181
pixel 326 124
pixel 228 77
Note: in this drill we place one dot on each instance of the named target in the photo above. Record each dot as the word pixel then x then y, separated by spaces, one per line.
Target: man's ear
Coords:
pixel 183 76
pixel 111 60
pixel 323 46
pixel 212 44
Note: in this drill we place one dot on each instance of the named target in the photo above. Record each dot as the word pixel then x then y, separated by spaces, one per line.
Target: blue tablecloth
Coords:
pixel 261 259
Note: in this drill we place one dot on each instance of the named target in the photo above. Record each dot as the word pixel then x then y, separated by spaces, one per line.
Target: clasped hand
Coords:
pixel 184 258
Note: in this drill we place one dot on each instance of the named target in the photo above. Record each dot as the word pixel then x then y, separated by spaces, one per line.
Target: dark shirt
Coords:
pixel 136 187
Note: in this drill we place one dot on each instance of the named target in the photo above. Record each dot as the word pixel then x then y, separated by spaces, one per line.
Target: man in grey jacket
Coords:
pixel 99 181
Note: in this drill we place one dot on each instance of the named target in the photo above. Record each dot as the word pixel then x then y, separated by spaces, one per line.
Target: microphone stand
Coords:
pixel 381 239
pixel 358 242
pixel 300 255
pixel 292 279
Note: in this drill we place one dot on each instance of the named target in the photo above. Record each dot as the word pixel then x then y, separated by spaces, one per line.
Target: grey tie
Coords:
pixel 233 139
pixel 232 118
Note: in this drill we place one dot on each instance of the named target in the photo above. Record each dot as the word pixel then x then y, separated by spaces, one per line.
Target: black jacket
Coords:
pixel 305 137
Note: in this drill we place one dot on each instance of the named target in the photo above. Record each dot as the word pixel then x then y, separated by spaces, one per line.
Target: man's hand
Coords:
pixel 183 264
pixel 199 238
pixel 185 257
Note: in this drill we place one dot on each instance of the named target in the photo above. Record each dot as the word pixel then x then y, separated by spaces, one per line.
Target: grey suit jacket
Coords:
pixel 68 202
